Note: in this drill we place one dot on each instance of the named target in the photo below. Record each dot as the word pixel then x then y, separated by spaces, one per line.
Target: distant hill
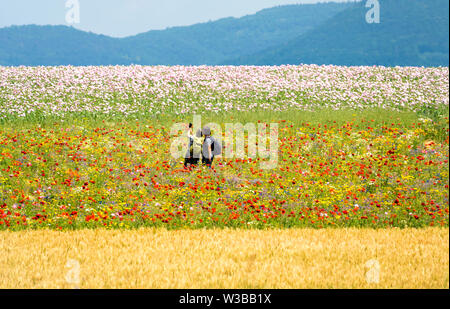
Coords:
pixel 410 33
pixel 205 43
pixel 211 43
pixel 55 45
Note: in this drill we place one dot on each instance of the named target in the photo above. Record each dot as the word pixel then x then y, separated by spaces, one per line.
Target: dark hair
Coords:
pixel 190 125
pixel 206 131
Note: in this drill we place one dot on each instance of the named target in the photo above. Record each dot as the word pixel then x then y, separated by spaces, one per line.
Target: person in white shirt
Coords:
pixel 189 155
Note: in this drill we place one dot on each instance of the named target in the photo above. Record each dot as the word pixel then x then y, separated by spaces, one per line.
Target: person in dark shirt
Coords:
pixel 208 155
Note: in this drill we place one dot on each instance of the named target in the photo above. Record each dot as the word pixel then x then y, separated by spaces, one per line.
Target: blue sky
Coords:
pixel 121 18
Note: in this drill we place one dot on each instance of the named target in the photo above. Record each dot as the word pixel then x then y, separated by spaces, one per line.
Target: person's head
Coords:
pixel 190 127
pixel 198 133
pixel 206 131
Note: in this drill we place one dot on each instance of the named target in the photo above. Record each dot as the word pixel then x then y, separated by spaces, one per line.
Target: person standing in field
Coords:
pixel 189 155
pixel 197 144
pixel 210 147
pixel 194 149
pixel 207 152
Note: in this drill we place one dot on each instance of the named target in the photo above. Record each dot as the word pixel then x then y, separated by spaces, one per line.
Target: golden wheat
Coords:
pixel 158 258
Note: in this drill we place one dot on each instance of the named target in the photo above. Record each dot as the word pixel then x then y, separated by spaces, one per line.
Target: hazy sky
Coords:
pixel 120 18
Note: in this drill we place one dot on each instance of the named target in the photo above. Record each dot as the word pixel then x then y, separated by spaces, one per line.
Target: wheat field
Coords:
pixel 290 258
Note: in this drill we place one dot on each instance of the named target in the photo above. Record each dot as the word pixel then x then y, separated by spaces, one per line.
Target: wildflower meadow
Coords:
pixel 88 147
